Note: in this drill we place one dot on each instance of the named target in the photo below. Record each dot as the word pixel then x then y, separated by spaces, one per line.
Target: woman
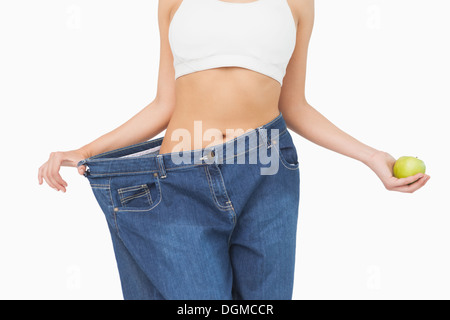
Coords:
pixel 187 219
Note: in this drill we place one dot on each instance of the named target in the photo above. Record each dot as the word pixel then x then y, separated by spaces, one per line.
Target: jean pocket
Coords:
pixel 135 193
pixel 287 151
pixel 135 196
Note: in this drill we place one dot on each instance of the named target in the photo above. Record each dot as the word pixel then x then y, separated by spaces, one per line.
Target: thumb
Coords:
pixel 81 170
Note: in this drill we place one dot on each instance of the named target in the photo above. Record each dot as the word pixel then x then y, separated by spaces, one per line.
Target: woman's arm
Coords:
pixel 300 116
pixel 303 119
pixel 312 125
pixel 150 121
pixel 146 124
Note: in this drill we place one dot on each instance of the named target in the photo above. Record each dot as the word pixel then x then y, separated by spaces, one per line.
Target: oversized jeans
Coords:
pixel 212 223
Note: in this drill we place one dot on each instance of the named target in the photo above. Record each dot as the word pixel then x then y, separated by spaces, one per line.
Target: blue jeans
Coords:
pixel 213 223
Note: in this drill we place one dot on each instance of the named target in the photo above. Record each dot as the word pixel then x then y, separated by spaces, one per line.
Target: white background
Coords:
pixel 71 71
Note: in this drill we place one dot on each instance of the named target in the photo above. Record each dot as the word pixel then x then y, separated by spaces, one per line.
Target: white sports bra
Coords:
pixel 258 35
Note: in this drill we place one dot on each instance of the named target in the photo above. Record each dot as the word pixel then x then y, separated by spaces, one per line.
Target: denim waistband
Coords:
pixel 143 157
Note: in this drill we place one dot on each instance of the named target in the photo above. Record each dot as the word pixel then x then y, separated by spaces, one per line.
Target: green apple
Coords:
pixel 408 166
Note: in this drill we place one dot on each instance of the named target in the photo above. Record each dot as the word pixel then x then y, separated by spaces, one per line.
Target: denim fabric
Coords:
pixel 220 225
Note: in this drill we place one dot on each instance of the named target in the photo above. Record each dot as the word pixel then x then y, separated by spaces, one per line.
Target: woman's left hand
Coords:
pixel 382 164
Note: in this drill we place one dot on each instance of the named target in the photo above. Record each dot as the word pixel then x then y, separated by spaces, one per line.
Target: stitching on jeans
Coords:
pixel 211 189
pixel 188 166
pixel 224 189
pixel 154 205
pixel 149 197
pixel 151 171
pixel 237 155
pixel 218 205
pixel 159 166
pixel 128 189
pixel 121 173
pixel 259 145
pixel 283 161
pixel 122 159
pixel 114 213
pixel 110 195
pixel 127 199
pixel 100 187
pixel 124 201
pixel 132 188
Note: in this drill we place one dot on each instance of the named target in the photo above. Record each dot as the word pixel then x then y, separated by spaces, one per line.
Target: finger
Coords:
pixel 45 174
pixel 405 181
pixel 419 184
pixel 51 174
pixel 61 183
pixel 47 179
pixel 82 169
pixel 55 176
pixel 40 175
pixel 410 188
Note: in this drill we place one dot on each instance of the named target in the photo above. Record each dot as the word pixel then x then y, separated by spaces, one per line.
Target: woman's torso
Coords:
pixel 215 105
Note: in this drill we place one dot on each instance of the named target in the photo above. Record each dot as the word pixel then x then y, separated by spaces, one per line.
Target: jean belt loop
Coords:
pixel 162 168
pixel 271 138
pixel 263 136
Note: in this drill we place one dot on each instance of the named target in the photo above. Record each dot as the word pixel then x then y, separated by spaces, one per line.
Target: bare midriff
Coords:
pixel 217 105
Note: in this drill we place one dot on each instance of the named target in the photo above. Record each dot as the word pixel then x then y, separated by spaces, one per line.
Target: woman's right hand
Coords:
pixel 50 169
